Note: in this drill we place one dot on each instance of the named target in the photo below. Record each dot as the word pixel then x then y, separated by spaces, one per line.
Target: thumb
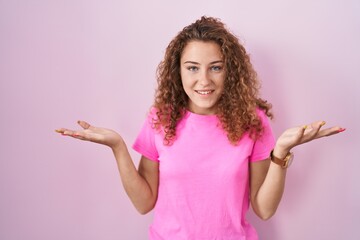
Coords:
pixel 84 124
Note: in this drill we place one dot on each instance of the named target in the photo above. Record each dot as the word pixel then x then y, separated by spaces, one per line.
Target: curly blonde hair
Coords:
pixel 236 108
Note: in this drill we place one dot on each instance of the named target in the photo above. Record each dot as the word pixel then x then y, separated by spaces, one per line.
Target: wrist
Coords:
pixel 282 157
pixel 280 152
pixel 119 146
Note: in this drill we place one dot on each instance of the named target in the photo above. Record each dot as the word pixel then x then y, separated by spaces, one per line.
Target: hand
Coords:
pixel 90 133
pixel 299 135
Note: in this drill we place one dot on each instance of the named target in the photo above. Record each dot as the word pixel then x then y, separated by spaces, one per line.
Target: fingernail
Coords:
pixel 305 127
pixel 57 130
pixel 322 123
pixel 341 130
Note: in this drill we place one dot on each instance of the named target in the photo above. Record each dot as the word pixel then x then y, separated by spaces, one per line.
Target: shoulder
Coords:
pixel 260 113
pixel 153 111
pixel 262 116
pixel 152 115
pixel 264 119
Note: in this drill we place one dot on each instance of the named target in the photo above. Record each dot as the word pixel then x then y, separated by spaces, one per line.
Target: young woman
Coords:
pixel 207 147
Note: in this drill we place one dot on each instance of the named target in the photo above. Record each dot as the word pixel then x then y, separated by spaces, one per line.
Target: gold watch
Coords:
pixel 284 163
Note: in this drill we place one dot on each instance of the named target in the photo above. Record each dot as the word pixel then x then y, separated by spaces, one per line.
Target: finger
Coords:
pixel 79 135
pixel 76 134
pixel 311 131
pixel 68 132
pixel 63 131
pixel 301 132
pixel 317 125
pixel 84 124
pixel 330 131
pixel 87 136
pixel 341 130
pixel 303 129
pixel 59 130
pixel 314 128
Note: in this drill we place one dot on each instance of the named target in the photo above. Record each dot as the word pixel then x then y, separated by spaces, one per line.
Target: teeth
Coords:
pixel 204 92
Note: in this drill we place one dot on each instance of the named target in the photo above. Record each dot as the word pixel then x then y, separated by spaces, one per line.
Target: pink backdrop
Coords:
pixel 61 61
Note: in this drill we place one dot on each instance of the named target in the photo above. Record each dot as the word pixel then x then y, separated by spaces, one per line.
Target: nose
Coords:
pixel 204 78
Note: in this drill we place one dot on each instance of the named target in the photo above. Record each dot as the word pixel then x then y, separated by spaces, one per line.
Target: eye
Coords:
pixel 192 68
pixel 216 68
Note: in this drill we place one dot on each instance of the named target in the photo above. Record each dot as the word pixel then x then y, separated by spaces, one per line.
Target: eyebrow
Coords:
pixel 196 63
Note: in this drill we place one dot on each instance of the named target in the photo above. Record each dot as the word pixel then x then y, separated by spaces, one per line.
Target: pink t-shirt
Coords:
pixel 204 179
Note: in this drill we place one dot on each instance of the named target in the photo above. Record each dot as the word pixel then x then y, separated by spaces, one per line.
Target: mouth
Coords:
pixel 204 92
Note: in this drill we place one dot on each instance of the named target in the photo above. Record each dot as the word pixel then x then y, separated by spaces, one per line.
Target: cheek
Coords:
pixel 221 81
pixel 187 88
pixel 186 80
pixel 185 85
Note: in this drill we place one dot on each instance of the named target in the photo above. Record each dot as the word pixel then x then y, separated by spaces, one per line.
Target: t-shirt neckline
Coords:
pixel 200 117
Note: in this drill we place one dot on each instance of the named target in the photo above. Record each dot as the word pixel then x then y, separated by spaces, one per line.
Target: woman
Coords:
pixel 207 147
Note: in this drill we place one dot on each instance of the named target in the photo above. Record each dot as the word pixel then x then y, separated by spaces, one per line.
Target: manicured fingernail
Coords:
pixel 322 123
pixel 57 130
pixel 305 127
pixel 341 130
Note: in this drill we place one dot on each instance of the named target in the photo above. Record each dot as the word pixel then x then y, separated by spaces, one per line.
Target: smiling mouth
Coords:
pixel 204 92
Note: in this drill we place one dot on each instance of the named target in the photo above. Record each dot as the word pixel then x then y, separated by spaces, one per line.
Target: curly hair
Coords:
pixel 236 107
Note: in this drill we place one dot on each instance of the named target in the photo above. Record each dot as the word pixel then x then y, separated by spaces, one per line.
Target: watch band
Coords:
pixel 284 163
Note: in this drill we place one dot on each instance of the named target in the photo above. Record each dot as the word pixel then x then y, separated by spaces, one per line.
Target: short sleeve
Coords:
pixel 266 142
pixel 145 141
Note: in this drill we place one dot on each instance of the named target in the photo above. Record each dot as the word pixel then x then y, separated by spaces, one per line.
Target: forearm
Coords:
pixel 135 185
pixel 267 199
pixel 267 187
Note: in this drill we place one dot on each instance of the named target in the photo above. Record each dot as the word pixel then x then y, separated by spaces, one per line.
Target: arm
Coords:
pixel 267 182
pixel 267 179
pixel 140 184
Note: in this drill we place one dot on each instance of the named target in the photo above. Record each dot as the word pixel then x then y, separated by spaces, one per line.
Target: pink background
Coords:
pixel 61 61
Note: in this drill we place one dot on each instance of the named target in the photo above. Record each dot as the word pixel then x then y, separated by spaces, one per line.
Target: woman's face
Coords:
pixel 202 75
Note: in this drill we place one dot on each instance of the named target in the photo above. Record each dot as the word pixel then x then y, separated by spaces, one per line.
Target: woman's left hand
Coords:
pixel 299 135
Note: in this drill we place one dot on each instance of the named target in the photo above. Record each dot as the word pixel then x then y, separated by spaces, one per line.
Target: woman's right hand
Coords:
pixel 90 133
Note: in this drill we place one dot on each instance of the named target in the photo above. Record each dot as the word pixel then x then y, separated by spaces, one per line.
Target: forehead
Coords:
pixel 201 50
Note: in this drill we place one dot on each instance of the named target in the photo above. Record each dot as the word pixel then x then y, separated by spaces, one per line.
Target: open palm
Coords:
pixel 299 135
pixel 90 133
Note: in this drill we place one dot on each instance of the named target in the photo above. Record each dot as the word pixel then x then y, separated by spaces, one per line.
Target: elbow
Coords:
pixel 144 205
pixel 264 211
pixel 265 214
pixel 143 210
